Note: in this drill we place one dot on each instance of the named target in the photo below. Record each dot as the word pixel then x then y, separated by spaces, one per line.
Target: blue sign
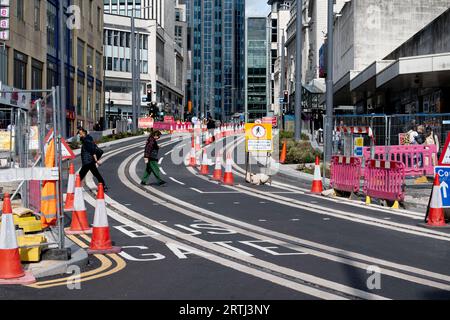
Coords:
pixel 358 151
pixel 444 179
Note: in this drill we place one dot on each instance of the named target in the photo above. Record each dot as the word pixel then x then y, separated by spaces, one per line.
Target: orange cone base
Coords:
pixel 317 187
pixel 28 278
pixel 69 202
pixel 430 226
pixel 73 232
pixel 79 221
pixel 217 176
pixel 228 179
pixel 204 170
pixel 10 265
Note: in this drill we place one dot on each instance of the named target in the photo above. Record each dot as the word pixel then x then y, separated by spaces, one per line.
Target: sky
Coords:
pixel 257 8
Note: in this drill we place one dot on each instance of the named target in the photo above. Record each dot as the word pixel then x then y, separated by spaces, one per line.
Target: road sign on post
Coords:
pixel 258 137
pixel 444 180
pixel 445 156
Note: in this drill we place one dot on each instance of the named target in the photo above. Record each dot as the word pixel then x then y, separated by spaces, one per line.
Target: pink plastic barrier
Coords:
pixel 345 173
pixel 34 195
pixel 419 160
pixel 385 180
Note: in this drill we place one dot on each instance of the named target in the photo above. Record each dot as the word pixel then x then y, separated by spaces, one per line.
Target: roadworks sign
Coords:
pixel 258 137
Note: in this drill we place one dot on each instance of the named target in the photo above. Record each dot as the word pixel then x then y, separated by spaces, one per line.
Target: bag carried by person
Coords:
pixel 98 152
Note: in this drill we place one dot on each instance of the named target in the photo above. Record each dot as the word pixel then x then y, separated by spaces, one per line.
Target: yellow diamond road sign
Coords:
pixel 258 137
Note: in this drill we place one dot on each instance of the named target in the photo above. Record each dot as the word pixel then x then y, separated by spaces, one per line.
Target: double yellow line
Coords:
pixel 104 270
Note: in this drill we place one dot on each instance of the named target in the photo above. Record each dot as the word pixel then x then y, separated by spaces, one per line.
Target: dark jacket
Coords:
pixel 151 149
pixel 87 150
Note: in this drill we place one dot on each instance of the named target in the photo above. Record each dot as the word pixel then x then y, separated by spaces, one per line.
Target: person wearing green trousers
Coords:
pixel 151 158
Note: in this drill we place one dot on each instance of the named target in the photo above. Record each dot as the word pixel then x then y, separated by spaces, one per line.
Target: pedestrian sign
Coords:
pixel 444 180
pixel 258 137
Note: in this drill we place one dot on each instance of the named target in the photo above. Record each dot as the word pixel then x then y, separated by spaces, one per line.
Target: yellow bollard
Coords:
pixel 368 201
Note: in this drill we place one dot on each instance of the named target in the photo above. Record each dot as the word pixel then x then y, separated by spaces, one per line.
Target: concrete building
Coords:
pixel 31 59
pixel 368 30
pixel 279 18
pixel 161 58
pixel 412 79
pixel 257 68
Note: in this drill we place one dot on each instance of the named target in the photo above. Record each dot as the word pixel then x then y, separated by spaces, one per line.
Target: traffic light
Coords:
pixel 286 96
pixel 149 92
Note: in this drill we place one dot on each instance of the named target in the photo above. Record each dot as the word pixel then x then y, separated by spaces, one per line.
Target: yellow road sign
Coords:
pixel 258 137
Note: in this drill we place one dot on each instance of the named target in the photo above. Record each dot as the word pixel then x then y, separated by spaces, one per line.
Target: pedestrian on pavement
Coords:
pixel 412 134
pixel 151 158
pixel 432 139
pixel 90 157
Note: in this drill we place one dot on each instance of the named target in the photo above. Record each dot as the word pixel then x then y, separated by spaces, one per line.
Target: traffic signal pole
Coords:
pixel 298 65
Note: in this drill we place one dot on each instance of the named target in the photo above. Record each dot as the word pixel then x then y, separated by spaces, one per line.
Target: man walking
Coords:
pixel 89 158
pixel 151 158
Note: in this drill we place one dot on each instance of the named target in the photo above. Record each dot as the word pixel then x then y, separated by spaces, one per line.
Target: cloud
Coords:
pixel 257 8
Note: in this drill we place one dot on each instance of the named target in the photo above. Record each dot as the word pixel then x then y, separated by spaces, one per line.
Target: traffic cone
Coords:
pixel 11 271
pixel 171 129
pixel 317 186
pixel 217 175
pixel 193 157
pixel 204 169
pixel 70 195
pixel 435 211
pixel 228 178
pixel 198 144
pixel 283 152
pixel 101 239
pixel 80 223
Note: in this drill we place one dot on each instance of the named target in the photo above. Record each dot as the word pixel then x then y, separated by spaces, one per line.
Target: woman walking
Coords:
pixel 151 158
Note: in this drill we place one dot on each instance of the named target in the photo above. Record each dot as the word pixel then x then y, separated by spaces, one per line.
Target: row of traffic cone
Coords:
pixel 101 240
pixel 228 178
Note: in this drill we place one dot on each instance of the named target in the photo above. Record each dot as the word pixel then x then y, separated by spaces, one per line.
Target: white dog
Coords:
pixel 257 179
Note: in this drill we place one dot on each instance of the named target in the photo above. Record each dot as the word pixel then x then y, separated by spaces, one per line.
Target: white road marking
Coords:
pixel 163 172
pixel 168 153
pixel 262 220
pixel 237 203
pixel 295 219
pixel 161 160
pixel 196 190
pixel 179 182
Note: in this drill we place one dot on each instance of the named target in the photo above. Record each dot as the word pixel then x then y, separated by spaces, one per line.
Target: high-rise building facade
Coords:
pixel 257 68
pixel 216 29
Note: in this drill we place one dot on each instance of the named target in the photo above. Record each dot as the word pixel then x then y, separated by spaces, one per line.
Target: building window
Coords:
pixel 3 65
pixel 20 10
pixel 90 60
pixel 80 96
pixel 52 75
pixel 51 29
pixel 36 74
pixel 37 15
pixel 89 100
pixel 98 65
pixel 80 54
pixel 20 70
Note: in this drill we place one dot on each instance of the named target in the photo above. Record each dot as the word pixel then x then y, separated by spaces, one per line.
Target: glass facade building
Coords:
pixel 257 68
pixel 217 45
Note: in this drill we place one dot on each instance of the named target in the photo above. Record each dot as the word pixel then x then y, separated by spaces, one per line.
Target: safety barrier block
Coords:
pixel 384 180
pixel 345 173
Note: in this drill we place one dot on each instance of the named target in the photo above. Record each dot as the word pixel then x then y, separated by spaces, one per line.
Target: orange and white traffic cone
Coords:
pixel 80 224
pixel 283 153
pixel 435 213
pixel 228 178
pixel 317 186
pixel 204 168
pixel 101 239
pixel 198 144
pixel 217 175
pixel 193 156
pixel 70 195
pixel 11 271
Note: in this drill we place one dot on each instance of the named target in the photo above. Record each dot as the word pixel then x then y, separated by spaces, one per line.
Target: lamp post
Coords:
pixel 329 82
pixel 298 65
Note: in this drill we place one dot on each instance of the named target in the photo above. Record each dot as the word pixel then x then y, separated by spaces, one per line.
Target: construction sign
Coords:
pixel 66 151
pixel 258 137
pixel 445 156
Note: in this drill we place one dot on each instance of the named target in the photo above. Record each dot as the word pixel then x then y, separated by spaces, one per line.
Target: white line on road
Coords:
pixel 162 171
pixel 168 153
pixel 161 160
pixel 179 182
